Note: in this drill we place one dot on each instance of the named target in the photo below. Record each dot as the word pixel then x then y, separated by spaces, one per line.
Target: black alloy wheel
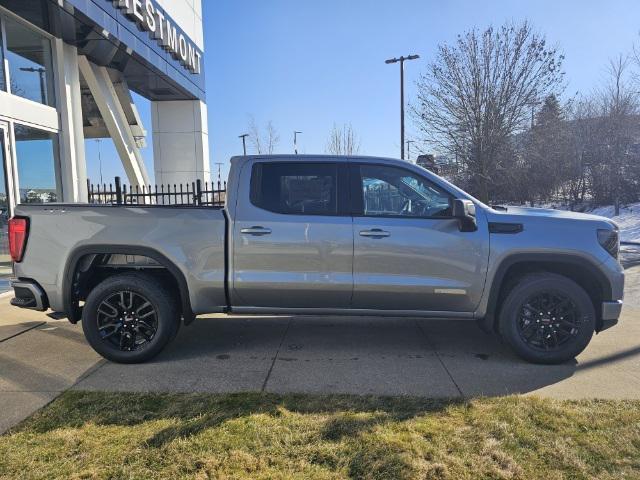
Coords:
pixel 546 318
pixel 127 320
pixel 130 317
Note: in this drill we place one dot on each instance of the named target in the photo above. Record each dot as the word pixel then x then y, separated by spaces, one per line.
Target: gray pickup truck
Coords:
pixel 321 235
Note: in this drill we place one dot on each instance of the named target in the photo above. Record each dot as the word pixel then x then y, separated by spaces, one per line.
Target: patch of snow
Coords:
pixel 628 220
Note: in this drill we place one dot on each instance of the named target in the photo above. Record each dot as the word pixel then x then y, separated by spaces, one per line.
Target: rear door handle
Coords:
pixel 256 230
pixel 375 233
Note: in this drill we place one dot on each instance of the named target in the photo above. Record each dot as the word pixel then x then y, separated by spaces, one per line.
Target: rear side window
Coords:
pixel 295 188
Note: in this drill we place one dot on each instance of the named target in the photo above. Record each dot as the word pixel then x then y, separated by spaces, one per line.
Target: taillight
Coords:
pixel 18 231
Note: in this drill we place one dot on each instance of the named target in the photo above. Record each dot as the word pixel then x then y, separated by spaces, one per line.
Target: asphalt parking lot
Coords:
pixel 40 358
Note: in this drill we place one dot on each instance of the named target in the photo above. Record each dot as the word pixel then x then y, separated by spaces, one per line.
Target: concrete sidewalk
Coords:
pixel 40 358
pixel 433 358
pixel 382 356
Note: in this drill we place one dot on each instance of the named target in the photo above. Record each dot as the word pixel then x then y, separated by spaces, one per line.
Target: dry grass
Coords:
pixel 260 436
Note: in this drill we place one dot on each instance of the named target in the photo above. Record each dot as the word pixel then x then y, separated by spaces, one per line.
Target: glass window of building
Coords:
pixel 36 152
pixel 30 66
pixel 5 259
pixel 3 82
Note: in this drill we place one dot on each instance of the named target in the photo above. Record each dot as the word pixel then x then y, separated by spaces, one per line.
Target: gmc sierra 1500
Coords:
pixel 321 235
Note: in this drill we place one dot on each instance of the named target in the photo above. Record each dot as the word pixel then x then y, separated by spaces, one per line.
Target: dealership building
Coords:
pixel 68 68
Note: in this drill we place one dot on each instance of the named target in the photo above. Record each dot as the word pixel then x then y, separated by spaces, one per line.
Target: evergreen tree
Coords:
pixel 546 151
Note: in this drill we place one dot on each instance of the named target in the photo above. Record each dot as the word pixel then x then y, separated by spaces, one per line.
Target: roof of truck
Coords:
pixel 312 157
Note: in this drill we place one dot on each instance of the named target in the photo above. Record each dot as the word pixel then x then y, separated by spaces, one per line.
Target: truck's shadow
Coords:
pixel 382 356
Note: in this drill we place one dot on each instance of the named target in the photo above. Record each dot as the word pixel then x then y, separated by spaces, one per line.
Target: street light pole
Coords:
pixel 244 143
pixel 43 88
pixel 98 141
pixel 295 141
pixel 409 142
pixel 401 60
pixel 219 164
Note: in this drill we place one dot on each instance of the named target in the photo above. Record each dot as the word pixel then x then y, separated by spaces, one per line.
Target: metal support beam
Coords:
pixel 130 110
pixel 115 119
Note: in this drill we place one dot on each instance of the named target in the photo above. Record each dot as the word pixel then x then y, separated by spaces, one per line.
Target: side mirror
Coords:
pixel 465 212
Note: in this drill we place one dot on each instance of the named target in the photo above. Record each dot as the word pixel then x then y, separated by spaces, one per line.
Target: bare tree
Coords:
pixel 635 57
pixel 619 105
pixel 272 138
pixel 480 91
pixel 263 144
pixel 254 135
pixel 343 141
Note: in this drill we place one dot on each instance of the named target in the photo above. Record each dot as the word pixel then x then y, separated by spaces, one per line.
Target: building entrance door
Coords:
pixel 5 208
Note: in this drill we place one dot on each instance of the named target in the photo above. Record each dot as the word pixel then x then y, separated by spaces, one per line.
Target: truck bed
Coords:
pixel 192 239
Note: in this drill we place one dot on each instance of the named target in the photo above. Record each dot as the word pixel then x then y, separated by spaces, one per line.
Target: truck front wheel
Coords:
pixel 547 318
pixel 129 318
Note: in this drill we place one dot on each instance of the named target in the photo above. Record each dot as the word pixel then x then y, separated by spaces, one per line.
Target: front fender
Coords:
pixel 499 272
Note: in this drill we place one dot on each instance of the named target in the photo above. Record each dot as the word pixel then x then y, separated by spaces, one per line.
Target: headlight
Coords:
pixel 609 241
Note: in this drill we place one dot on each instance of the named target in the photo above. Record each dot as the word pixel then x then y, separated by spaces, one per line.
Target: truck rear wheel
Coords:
pixel 547 318
pixel 129 318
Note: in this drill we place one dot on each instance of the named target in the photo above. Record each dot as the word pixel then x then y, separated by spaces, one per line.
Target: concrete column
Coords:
pixel 180 141
pixel 73 166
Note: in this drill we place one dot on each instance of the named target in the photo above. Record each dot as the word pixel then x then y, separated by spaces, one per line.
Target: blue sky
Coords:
pixel 308 65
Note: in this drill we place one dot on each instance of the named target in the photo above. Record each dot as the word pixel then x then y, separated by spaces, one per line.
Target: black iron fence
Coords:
pixel 198 193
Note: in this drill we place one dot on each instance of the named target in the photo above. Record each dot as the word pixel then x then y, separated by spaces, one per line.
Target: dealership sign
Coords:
pixel 149 17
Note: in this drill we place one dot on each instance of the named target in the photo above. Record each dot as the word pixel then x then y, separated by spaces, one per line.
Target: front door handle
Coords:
pixel 375 233
pixel 256 230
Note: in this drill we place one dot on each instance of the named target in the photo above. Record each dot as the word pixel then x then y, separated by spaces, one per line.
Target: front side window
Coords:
pixel 295 188
pixel 37 165
pixel 392 191
pixel 30 66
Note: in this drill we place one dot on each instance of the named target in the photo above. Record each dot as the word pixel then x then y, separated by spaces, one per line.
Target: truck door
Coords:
pixel 293 236
pixel 409 253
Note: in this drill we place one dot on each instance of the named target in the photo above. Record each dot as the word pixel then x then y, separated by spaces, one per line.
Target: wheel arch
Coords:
pixel 90 252
pixel 584 272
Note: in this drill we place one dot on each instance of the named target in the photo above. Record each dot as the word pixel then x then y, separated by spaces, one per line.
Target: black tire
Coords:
pixel 176 330
pixel 547 318
pixel 134 335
